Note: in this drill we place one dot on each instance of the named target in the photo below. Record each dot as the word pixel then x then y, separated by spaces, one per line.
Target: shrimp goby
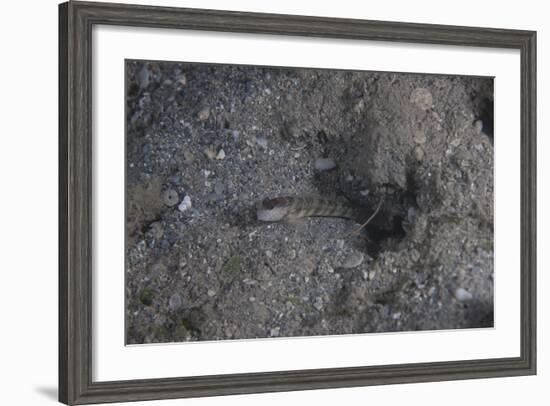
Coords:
pixel 291 209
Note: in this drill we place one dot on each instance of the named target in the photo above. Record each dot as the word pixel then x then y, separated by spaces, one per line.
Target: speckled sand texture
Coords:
pixel 206 143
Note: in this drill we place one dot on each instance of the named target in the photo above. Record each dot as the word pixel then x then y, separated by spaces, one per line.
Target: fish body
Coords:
pixel 292 209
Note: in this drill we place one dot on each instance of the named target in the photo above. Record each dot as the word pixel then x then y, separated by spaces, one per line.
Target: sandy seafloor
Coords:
pixel 206 143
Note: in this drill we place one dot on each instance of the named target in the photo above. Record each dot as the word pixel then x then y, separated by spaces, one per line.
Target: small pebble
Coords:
pixel 269 254
pixel 422 98
pixel 274 332
pixel 188 156
pixel 175 179
pixel 292 254
pixel 419 137
pixel 411 214
pixel 353 260
pixel 157 269
pixel 478 126
pixel 324 164
pixel 211 292
pixel 204 114
pixel 218 188
pixel 157 230
pixel 385 311
pixel 143 77
pixel 456 142
pixel 170 197
pixel 262 142
pixel 221 154
pixel 182 80
pixel 175 302
pixel 418 153
pixel 185 204
pixel 415 255
pixel 359 106
pixel 462 295
pixel 318 304
pixel 210 153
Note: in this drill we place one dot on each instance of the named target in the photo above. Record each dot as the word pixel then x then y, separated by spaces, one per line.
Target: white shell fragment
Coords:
pixel 185 204
pixel 462 295
pixel 325 164
pixel 478 126
pixel 221 154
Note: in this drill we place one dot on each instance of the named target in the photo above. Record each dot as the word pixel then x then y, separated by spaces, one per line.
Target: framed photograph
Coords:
pixel 256 202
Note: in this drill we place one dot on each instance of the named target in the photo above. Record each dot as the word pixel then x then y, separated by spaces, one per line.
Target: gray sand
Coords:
pixel 206 143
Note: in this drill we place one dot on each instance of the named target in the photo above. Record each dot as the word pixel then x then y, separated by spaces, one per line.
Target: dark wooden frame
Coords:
pixel 75 179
